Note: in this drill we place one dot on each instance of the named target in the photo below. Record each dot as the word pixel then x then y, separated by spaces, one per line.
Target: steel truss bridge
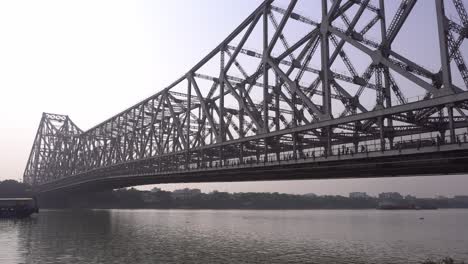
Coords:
pixel 286 96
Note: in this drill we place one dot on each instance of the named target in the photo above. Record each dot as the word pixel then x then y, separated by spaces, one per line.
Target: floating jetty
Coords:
pixel 17 207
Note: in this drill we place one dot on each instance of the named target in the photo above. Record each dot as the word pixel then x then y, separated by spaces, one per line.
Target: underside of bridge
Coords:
pixel 258 107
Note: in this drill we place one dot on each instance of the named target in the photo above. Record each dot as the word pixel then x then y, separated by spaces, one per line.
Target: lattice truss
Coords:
pixel 293 77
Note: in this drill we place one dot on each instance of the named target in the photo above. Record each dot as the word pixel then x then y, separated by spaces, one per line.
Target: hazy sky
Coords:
pixel 92 59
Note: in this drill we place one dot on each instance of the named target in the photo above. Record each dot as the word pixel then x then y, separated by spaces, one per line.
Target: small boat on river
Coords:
pixel 17 207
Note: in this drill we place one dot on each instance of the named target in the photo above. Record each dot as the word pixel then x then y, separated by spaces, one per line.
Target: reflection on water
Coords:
pixel 203 236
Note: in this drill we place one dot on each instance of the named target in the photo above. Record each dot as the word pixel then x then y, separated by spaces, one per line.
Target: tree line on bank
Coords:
pixel 160 199
pixel 14 189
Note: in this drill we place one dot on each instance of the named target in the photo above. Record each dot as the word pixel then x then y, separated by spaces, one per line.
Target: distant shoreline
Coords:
pixel 194 199
pixel 253 209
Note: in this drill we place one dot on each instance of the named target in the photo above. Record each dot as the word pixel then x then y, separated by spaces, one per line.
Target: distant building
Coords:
pixel 357 195
pixel 185 193
pixel 390 196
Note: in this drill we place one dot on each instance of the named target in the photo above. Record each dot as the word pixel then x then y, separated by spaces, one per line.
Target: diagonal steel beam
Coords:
pixel 281 25
pixel 242 42
pixel 399 19
pixel 203 105
pixel 378 58
pixel 254 117
pixel 295 89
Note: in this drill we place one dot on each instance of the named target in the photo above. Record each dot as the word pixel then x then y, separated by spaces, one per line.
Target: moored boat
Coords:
pixel 17 207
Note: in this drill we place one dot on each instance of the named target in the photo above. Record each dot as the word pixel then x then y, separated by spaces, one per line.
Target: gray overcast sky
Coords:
pixel 91 59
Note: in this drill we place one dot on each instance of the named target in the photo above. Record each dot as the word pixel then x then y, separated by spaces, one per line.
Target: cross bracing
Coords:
pixel 285 84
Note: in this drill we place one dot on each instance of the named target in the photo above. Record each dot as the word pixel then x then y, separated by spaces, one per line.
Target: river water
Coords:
pixel 234 236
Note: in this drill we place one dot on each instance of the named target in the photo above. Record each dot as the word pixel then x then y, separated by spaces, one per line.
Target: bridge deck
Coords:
pixel 432 160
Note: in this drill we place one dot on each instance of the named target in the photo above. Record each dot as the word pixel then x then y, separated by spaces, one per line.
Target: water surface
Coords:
pixel 234 236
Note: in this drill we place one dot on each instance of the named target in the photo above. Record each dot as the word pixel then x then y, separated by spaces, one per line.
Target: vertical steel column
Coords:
pixel 325 54
pixel 211 136
pixel 443 45
pixel 445 61
pixel 125 121
pixel 151 129
pixel 241 127
pixel 200 159
pixel 241 153
pixel 294 119
pixel 325 72
pixel 189 105
pixel 211 127
pixel 221 106
pixel 134 141
pixel 451 125
pixel 142 132
pixel 383 33
pixel 221 98
pixel 357 126
pixel 382 133
pixel 175 133
pixel 265 81
pixel 294 138
pixel 277 115
pixel 380 103
pixel 103 159
pixel 163 116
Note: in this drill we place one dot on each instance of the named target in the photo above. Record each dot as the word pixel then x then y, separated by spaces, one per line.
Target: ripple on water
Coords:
pixel 230 236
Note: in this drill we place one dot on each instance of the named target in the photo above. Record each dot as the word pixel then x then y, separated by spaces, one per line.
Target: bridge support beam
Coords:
pixel 266 95
pixel 442 28
pixel 451 124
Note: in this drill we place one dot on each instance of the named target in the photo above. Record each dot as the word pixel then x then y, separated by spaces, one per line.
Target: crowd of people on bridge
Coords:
pixel 340 151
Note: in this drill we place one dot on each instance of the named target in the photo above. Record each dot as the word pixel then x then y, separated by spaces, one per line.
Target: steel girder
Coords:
pixel 259 96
